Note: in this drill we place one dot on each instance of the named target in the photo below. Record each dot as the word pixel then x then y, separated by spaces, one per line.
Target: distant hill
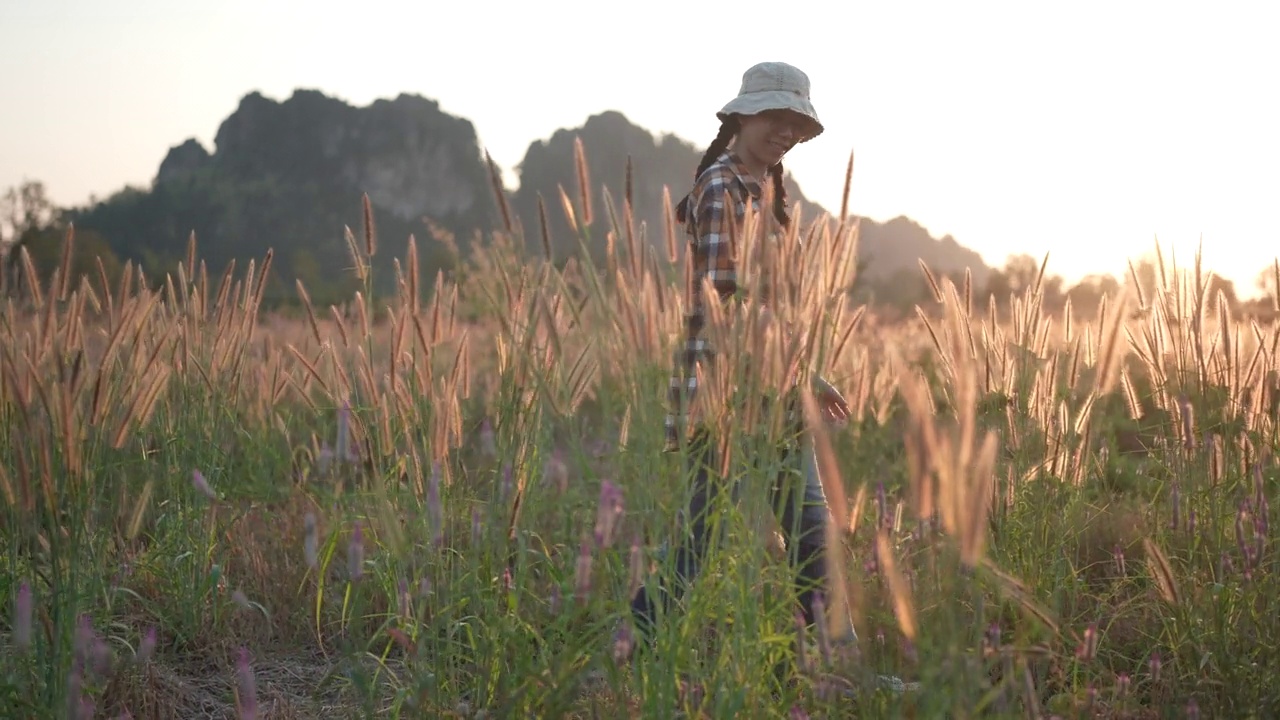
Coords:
pixel 289 175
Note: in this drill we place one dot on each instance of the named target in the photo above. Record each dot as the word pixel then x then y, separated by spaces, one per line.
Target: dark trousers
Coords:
pixel 798 500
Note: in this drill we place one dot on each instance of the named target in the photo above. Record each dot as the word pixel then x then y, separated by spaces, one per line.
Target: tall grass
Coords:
pixel 437 504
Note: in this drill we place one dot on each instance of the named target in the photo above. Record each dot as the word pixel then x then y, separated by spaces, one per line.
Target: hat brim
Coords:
pixel 758 102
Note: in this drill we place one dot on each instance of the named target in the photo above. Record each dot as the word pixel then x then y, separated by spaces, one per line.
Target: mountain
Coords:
pixel 289 175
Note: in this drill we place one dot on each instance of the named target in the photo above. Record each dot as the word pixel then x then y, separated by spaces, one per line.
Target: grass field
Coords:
pixel 438 504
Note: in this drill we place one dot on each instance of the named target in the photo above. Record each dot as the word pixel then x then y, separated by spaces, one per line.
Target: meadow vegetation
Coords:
pixel 438 503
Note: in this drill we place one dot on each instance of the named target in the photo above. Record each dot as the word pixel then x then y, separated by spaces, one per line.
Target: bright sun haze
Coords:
pixel 1088 131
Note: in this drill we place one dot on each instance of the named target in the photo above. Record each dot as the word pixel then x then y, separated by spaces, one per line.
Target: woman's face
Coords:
pixel 767 136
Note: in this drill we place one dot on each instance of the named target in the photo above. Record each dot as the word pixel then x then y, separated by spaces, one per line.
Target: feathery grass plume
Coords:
pixel 358 265
pixel 201 485
pixel 933 283
pixel 370 231
pixel 415 292
pixel 669 225
pixel 584 180
pixel 570 216
pixel 1162 572
pixel 544 229
pixel 903 607
pixel 499 192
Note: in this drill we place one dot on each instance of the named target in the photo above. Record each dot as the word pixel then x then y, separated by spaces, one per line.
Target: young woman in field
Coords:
pixel 771 114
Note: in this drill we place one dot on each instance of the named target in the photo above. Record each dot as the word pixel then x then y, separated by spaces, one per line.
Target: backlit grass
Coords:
pixel 438 504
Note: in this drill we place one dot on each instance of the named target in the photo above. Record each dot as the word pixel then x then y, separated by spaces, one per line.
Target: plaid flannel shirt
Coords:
pixel 717 208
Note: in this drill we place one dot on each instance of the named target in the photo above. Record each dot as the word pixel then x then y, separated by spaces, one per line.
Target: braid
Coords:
pixel 728 128
pixel 779 196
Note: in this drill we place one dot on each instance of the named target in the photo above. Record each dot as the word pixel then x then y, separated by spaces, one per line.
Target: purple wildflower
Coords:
pixel 1175 500
pixel 1089 643
pixel 1193 710
pixel 476 526
pixel 798 713
pixel 1154 665
pixel 608 512
pixel 553 603
pixel 22 617
pixel 101 659
pixel 75 690
pixel 84 639
pixel 202 486
pixel 147 646
pixel 623 642
pixel 248 687
pixel 992 637
pixel 1122 685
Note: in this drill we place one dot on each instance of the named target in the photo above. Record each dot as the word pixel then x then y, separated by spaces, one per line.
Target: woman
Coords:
pixel 771 114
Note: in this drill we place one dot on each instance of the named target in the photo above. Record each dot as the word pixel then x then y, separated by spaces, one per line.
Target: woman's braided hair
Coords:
pixel 729 128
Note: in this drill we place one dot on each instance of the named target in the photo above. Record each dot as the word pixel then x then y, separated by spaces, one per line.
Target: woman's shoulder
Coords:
pixel 721 170
pixel 722 176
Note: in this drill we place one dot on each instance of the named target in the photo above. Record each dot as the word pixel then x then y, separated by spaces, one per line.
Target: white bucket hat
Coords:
pixel 774 86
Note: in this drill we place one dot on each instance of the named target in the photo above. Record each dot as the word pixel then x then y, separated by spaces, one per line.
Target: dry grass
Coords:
pixel 987 478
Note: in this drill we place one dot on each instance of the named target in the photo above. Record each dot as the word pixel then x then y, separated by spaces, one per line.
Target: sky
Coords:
pixel 1087 130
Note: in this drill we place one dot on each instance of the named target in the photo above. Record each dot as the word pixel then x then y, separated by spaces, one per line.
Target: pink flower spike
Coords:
pixel 22 617
pixel 147 647
pixel 248 687
pixel 608 512
pixel 202 486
